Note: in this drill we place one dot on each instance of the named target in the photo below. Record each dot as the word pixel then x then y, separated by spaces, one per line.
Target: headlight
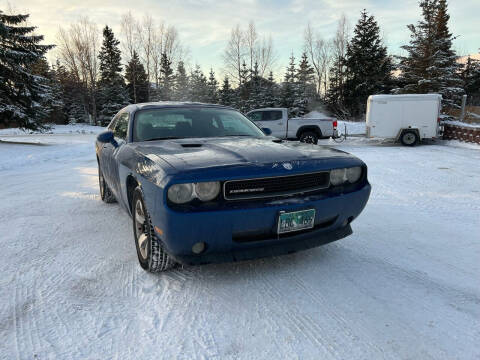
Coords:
pixel 207 191
pixel 354 173
pixel 337 176
pixel 180 193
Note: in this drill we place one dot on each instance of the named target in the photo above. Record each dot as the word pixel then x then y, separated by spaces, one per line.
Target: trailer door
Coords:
pixel 422 115
pixel 387 118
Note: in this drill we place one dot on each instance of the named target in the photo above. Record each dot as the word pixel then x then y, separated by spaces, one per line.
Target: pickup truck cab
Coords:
pixel 307 130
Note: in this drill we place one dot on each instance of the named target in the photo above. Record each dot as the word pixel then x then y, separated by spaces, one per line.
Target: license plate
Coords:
pixel 296 221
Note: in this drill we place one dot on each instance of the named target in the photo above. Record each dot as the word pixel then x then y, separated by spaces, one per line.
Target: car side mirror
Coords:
pixel 267 131
pixel 106 137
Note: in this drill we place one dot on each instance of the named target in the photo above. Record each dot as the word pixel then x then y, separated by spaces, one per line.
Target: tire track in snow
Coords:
pixel 27 337
pixel 343 326
pixel 290 317
pixel 333 334
pixel 202 343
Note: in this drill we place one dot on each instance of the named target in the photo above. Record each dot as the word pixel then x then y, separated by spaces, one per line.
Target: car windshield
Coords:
pixel 180 123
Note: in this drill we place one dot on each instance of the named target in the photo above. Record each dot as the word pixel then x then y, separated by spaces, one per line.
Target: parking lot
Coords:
pixel 405 285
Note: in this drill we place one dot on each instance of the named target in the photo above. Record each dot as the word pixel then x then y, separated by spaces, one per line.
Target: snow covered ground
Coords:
pixel 405 285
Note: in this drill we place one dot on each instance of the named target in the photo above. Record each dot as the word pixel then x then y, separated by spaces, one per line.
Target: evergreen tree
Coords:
pixel 269 93
pixel 430 65
pixel 291 73
pixel 306 85
pixel 335 95
pixel 244 74
pixel 181 84
pixel 212 88
pixel 289 93
pixel 112 95
pixel 166 78
pixel 226 93
pixel 471 78
pixel 21 92
pixel 305 73
pixel 137 82
pixel 198 85
pixel 72 95
pixel 255 89
pixel 368 67
pixel 52 100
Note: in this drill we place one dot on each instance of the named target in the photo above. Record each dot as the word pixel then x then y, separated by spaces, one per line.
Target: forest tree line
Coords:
pixel 96 74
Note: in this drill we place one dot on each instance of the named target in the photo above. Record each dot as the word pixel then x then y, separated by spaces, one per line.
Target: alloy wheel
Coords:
pixel 140 233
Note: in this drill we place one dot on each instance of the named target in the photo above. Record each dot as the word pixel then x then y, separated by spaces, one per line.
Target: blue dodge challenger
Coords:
pixel 203 184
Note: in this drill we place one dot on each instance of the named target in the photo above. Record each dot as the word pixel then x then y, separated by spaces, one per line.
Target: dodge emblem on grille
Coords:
pixel 287 166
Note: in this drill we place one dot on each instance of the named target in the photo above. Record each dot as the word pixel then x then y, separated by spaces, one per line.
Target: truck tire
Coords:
pixel 309 137
pixel 151 255
pixel 409 138
pixel 105 193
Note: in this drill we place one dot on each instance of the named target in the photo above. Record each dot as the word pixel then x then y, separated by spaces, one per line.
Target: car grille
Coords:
pixel 275 186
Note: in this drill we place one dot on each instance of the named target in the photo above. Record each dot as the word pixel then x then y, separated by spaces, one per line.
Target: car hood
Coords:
pixel 193 154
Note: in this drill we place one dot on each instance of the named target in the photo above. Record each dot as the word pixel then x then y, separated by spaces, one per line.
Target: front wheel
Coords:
pixel 151 255
pixel 105 192
pixel 409 138
pixel 309 137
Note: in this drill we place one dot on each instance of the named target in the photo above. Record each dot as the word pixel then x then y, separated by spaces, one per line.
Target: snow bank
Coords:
pixel 353 128
pixel 462 124
pixel 56 129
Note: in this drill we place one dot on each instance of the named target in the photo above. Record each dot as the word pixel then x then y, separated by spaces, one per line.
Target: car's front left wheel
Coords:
pixel 151 255
pixel 105 193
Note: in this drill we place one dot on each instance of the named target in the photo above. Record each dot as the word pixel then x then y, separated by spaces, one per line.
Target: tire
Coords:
pixel 409 138
pixel 151 255
pixel 105 192
pixel 309 137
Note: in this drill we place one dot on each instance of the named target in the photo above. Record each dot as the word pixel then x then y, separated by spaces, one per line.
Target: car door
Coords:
pixel 271 119
pixel 112 150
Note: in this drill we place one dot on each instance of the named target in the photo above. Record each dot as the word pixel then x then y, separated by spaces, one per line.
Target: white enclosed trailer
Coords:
pixel 407 118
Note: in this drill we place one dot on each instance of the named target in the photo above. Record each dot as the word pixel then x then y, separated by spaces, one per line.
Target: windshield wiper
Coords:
pixel 237 135
pixel 165 138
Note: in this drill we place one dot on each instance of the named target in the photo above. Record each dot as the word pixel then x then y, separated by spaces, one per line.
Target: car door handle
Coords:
pixel 279 123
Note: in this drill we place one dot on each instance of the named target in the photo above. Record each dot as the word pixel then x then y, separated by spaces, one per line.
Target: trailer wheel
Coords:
pixel 409 138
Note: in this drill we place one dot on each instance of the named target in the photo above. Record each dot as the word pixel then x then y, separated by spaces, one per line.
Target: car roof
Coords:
pixel 172 104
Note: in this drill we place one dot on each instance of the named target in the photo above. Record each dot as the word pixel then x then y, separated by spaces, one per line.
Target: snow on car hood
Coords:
pixel 189 154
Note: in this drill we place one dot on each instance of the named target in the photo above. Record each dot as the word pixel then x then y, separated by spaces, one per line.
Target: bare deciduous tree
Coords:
pixel 247 46
pixel 146 36
pixel 129 43
pixel 234 53
pixel 339 46
pixel 251 37
pixel 78 49
pixel 318 50
pixel 265 56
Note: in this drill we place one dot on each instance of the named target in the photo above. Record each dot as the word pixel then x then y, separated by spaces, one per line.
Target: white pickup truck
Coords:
pixel 305 129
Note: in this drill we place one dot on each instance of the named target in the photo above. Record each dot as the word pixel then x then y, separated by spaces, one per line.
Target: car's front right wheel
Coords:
pixel 151 255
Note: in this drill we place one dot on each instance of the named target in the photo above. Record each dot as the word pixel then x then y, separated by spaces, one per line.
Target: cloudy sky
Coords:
pixel 204 25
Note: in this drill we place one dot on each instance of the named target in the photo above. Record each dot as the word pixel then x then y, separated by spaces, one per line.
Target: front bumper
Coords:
pixel 242 233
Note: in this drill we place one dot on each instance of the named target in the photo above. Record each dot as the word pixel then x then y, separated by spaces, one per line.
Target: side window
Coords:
pixel 271 115
pixel 121 126
pixel 111 126
pixel 276 115
pixel 255 116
